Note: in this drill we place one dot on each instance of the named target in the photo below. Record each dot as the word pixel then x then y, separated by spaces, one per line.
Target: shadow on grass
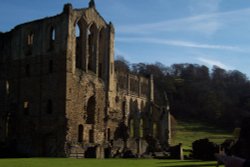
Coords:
pixel 190 165
pixel 178 161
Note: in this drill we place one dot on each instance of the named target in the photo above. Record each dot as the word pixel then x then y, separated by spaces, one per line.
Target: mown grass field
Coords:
pixel 188 132
pixel 67 162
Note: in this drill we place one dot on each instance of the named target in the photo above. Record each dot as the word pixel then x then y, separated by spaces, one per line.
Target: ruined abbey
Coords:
pixel 60 94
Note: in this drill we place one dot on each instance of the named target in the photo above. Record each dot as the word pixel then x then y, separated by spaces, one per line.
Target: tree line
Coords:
pixel 217 96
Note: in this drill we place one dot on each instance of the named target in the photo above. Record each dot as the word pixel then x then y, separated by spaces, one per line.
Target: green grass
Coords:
pixel 188 132
pixel 67 162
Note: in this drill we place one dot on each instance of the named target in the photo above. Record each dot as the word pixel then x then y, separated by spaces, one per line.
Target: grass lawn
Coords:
pixel 67 162
pixel 188 132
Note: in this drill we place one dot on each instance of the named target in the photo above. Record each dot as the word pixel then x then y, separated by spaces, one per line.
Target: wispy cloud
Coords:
pixel 204 23
pixel 204 6
pixel 211 63
pixel 118 52
pixel 178 43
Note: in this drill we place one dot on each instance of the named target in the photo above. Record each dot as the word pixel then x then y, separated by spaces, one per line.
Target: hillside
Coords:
pixel 187 132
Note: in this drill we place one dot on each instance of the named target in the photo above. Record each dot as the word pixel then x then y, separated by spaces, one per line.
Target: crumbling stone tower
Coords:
pixel 60 94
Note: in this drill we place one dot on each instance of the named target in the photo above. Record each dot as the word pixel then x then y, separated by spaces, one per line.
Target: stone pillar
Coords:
pixel 176 152
pixel 139 149
pixel 67 8
pixel 86 61
pixel 99 152
pixel 128 84
pixel 169 137
pixel 84 50
pixel 111 46
pixel 151 88
pixel 97 54
pixel 110 87
pixel 139 86
pixel 181 152
pixel 91 4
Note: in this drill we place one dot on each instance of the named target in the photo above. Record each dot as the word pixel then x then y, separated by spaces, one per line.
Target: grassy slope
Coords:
pixel 187 132
pixel 66 162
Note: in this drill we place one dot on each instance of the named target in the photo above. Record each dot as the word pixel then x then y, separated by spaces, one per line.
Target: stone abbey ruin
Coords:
pixel 61 96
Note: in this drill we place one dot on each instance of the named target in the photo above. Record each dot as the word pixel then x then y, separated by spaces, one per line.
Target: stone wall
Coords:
pixel 34 68
pixel 133 84
pixel 87 78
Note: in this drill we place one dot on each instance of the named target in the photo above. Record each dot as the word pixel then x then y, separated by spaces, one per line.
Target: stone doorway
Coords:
pixel 90 152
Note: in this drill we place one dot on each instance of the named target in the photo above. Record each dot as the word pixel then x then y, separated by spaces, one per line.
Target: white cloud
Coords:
pixel 118 52
pixel 205 23
pixel 121 53
pixel 204 6
pixel 178 43
pixel 211 63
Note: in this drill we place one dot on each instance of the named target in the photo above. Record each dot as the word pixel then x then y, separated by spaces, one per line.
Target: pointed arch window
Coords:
pixel 26 108
pixel 91 136
pixel 131 128
pixel 27 70
pixel 30 41
pixel 52 34
pixel 141 131
pixel 78 58
pixel 7 87
pixel 101 52
pixel 49 107
pixel 52 38
pixel 91 32
pixel 80 133
pixel 51 66
pixel 91 110
pixel 154 130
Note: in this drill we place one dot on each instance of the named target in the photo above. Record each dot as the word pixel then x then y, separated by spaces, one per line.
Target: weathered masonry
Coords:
pixel 61 96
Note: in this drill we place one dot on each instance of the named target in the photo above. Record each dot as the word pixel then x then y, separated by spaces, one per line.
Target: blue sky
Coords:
pixel 209 32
